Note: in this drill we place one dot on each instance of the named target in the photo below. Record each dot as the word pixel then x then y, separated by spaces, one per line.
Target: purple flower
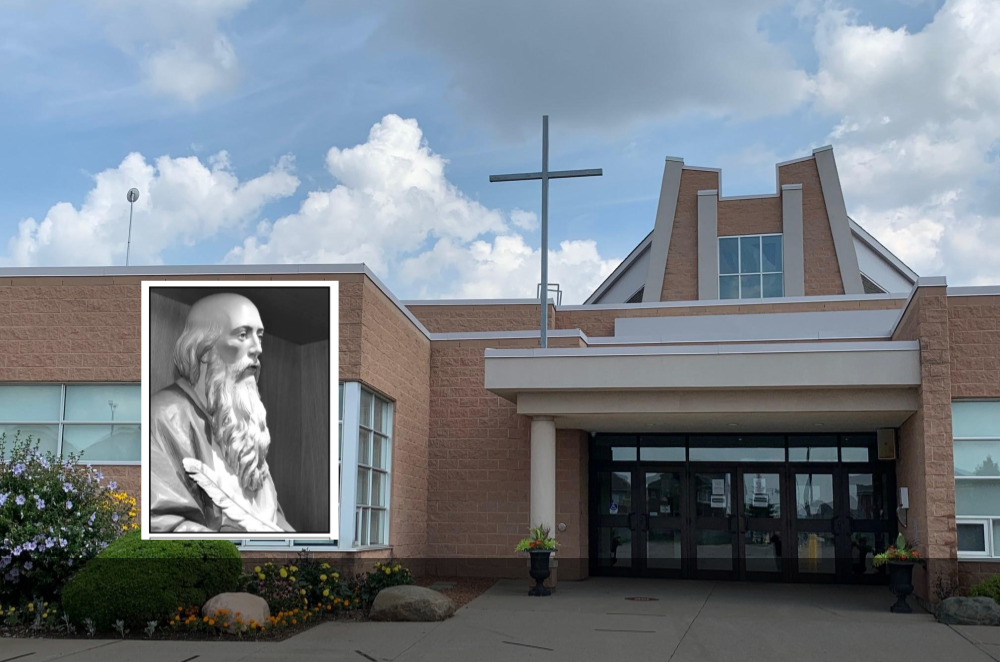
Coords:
pixel 68 487
pixel 19 469
pixel 43 461
pixel 114 517
pixel 103 545
pixel 17 551
pixel 40 503
pixel 19 499
pixel 63 542
pixel 30 546
pixel 93 516
pixel 13 575
pixel 69 505
pixel 113 485
pixel 28 565
pixel 69 562
pixel 3 498
pixel 4 562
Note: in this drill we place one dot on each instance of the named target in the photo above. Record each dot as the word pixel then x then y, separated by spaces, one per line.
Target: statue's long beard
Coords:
pixel 239 420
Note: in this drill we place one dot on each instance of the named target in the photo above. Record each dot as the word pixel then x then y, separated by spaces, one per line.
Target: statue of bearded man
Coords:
pixel 208 430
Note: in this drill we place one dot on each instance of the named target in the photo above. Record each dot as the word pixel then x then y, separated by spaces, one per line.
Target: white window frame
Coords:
pixel 350 423
pixel 61 422
pixel 988 520
pixel 987 525
pixel 364 511
pixel 739 272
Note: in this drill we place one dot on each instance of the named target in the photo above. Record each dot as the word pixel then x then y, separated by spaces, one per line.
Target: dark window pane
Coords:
pixel 771 253
pixel 614 493
pixel 774 285
pixel 971 537
pixel 737 454
pixel 663 549
pixel 811 454
pixel 814 496
pixel 761 495
pixel 715 549
pixel 750 287
pixel 763 551
pixel 712 495
pixel 729 255
pixel 663 494
pixel 614 547
pixel 853 454
pixel 817 553
pixel 749 255
pixel 729 287
pixel 662 454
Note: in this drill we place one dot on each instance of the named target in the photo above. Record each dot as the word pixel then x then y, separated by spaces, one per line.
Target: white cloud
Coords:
pixel 919 123
pixel 395 210
pixel 181 49
pixel 181 201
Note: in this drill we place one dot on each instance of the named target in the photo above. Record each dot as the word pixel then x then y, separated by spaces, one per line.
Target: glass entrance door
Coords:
pixel 662 525
pixel 712 544
pixel 762 530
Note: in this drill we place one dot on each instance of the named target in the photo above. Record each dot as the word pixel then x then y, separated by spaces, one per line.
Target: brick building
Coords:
pixel 759 391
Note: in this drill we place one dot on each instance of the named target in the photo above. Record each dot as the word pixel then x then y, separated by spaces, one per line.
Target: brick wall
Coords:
pixel 925 465
pixel 447 318
pixel 680 280
pixel 480 455
pixel 974 325
pixel 750 216
pixel 572 477
pixel 395 360
pixel 600 323
pixel 822 271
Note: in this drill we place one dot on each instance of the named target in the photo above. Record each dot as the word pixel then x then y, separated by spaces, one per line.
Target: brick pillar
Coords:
pixel 925 465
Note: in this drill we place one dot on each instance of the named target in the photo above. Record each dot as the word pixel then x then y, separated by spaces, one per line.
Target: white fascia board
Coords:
pixel 886 254
pixel 974 291
pixel 472 302
pixel 804 365
pixel 212 270
pixel 738 302
pixel 509 335
pixel 621 268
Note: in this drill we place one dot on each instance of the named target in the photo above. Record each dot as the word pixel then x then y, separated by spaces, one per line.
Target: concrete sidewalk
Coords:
pixel 592 620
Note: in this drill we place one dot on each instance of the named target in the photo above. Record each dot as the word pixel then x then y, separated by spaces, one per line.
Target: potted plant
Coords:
pixel 540 545
pixel 900 560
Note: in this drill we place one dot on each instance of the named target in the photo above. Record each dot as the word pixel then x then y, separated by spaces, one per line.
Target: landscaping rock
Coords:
pixel 243 605
pixel 411 603
pixel 969 611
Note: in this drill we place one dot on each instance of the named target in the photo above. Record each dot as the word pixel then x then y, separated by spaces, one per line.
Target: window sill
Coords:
pixel 981 559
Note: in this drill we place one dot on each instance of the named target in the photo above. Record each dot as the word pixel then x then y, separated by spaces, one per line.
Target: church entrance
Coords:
pixel 808 508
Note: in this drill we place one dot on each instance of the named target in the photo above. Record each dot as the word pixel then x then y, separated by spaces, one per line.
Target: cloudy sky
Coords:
pixel 366 130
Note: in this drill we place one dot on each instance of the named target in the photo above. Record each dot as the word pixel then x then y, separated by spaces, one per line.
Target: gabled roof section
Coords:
pixel 884 252
pixel 621 270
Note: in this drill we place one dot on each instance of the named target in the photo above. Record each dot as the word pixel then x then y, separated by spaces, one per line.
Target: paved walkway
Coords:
pixel 592 620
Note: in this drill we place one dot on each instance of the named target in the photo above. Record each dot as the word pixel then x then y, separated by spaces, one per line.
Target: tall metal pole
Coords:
pixel 129 245
pixel 545 232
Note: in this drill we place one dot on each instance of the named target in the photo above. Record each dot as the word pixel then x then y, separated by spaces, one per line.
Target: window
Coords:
pixel 101 421
pixel 373 471
pixel 976 429
pixel 750 267
pixel 365 442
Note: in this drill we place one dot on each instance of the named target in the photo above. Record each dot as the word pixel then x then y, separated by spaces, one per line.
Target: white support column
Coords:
pixel 543 473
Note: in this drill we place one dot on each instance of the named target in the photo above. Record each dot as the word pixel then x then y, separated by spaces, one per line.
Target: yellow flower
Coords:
pixel 293 568
pixel 324 565
pixel 257 569
pixel 388 571
pixel 211 621
pixel 336 575
pixel 322 578
pixel 260 575
pixel 302 591
pixel 326 592
pixel 31 605
pixel 283 573
pixel 291 579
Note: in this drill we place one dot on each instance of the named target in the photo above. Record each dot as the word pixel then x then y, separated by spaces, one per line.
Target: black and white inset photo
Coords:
pixel 239 415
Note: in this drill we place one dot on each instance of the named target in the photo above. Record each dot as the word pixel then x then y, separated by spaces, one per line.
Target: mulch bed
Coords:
pixel 466 590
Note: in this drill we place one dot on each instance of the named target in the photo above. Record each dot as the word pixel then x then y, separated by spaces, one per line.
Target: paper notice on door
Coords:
pixel 759 485
pixel 718 486
pixel 665 510
pixel 718 501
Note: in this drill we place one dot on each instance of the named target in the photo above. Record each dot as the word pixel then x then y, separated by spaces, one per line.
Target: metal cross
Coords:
pixel 545 175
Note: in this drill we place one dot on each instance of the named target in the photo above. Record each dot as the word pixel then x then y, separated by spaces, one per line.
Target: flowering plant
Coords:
pixel 538 540
pixel 55 515
pixel 897 552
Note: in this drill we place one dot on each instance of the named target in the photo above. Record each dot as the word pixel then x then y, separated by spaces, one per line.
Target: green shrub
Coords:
pixel 988 588
pixel 146 580
pixel 55 515
pixel 384 576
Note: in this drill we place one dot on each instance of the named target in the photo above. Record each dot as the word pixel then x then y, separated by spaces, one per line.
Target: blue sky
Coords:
pixel 309 131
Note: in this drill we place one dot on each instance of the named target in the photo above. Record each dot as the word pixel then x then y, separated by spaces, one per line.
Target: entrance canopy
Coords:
pixel 777 387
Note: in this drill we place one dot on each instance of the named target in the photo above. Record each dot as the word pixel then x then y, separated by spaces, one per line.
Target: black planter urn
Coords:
pixel 901 584
pixel 540 572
